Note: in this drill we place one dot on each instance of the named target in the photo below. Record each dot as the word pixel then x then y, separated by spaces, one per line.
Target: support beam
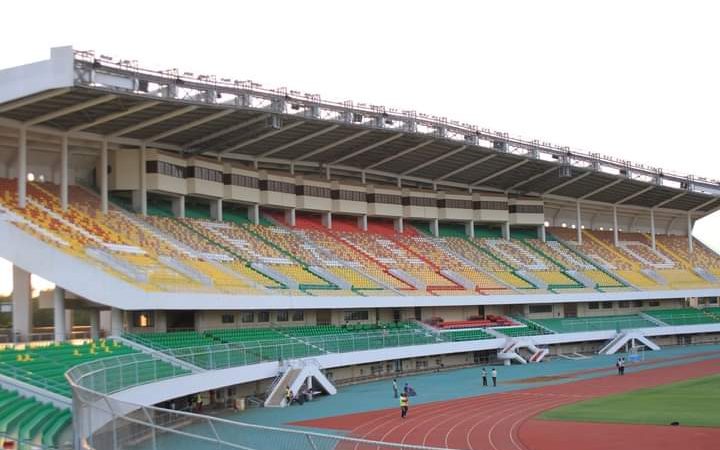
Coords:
pixel 254 214
pixel 116 322
pixel 652 228
pixel 154 120
pixel 500 172
pixel 225 131
pixel 143 181
pixel 435 227
pixel 104 177
pixel 22 312
pixel 541 233
pixel 673 198
pixel 398 225
pixel 363 222
pixel 466 167
pixel 113 116
pixel 632 196
pixel 578 223
pixel 367 148
pixel 400 154
pixel 532 178
pixel 22 168
pixel 565 183
pixel 327 220
pixel 298 141
pixel 94 324
pixel 689 232
pixel 34 99
pixel 713 200
pixel 434 160
pixel 59 314
pixel 616 240
pixel 600 189
pixel 70 109
pixel 178 207
pixel 190 125
pixel 216 209
pixel 333 145
pixel 290 217
pixel 506 230
pixel 470 229
pixel 261 137
pixel 64 162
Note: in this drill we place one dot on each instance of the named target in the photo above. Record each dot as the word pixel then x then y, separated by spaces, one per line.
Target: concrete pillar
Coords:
pixel 541 233
pixel 470 229
pixel 104 177
pixel 216 209
pixel 254 214
pixel 59 313
pixel 143 181
pixel 689 232
pixel 290 217
pixel 105 320
pixel 506 231
pixel 652 228
pixel 435 227
pixel 362 177
pixel 64 161
pixel 616 239
pixel 579 223
pixel 116 322
pixel 160 321
pixel 22 316
pixel 327 173
pixel 362 222
pixel 68 323
pixel 399 183
pixel 398 224
pixel 327 220
pixel 178 207
pixel 22 168
pixel 95 324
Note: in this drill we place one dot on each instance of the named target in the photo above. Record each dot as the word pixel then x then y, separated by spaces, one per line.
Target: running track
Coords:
pixel 504 421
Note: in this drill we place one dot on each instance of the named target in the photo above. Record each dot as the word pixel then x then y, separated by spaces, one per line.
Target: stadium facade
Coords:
pixel 224 232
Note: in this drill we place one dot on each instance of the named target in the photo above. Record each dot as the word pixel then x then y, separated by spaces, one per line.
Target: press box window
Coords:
pixel 298 316
pixel 281 316
pixel 228 318
pixel 248 317
pixel 264 316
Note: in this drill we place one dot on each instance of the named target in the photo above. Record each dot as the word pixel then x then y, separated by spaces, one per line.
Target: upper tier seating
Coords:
pixel 677 248
pixel 579 324
pixel 475 253
pixel 31 422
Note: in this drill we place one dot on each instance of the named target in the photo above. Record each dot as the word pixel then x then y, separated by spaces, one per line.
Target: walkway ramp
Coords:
pixel 295 375
pixel 619 341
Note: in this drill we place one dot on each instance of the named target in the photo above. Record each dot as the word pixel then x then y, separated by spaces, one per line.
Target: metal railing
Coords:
pixel 104 423
pixel 222 356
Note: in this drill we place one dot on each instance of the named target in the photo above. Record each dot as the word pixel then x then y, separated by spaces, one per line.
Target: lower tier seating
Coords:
pixel 467 335
pixel 683 316
pixel 577 324
pixel 30 422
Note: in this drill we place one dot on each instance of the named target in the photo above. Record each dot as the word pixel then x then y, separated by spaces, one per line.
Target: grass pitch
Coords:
pixel 691 403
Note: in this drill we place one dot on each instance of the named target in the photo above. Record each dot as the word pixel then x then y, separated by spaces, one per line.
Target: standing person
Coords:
pixel 484 376
pixel 622 366
pixel 494 377
pixel 288 395
pixel 395 388
pixel 617 365
pixel 404 405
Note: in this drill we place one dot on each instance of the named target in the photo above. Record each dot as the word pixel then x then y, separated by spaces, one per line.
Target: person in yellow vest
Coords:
pixel 404 405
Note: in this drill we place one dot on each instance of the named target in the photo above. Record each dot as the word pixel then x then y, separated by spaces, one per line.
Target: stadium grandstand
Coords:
pixel 225 241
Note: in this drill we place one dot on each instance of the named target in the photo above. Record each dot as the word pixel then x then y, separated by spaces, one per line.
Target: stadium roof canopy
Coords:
pixel 94 98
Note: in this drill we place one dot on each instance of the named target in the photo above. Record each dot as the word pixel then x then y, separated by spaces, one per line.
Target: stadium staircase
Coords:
pixel 294 375
pixel 622 338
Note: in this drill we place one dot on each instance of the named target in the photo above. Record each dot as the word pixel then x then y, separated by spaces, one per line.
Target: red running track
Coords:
pixel 503 421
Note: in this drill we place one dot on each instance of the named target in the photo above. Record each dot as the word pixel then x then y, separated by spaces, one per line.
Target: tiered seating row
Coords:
pixel 683 316
pixel 30 422
pixel 578 324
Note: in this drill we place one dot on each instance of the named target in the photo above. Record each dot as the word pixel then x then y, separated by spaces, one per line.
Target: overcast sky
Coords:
pixel 636 80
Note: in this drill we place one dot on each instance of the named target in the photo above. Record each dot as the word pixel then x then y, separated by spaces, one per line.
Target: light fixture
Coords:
pixel 31 176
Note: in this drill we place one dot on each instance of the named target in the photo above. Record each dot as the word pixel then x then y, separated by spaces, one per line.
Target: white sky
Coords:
pixel 636 80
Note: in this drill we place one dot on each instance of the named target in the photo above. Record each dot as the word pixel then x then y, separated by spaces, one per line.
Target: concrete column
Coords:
pixel 327 173
pixel 216 209
pixel 105 320
pixel 64 161
pixel 362 177
pixel 178 207
pixel 327 220
pixel 398 224
pixel 59 313
pixel 160 321
pixel 143 181
pixel 254 214
pixel 95 324
pixel 68 323
pixel 506 231
pixel 21 305
pixel 689 232
pixel 290 217
pixel 435 227
pixel 22 168
pixel 579 223
pixel 652 228
pixel 470 229
pixel 541 233
pixel 116 322
pixel 104 177
pixel 362 222
pixel 616 240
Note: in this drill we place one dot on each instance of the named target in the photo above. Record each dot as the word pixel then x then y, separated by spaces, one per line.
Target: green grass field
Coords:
pixel 692 403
